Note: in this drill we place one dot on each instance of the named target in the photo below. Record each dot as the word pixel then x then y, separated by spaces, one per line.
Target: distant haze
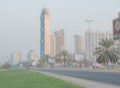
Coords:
pixel 20 20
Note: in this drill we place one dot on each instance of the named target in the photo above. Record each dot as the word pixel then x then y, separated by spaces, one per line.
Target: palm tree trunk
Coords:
pixel 107 62
pixel 107 65
pixel 64 61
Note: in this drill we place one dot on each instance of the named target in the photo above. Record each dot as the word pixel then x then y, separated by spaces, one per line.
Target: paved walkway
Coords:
pixel 81 82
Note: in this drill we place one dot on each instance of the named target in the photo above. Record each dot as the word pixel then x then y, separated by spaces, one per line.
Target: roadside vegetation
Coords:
pixel 6 66
pixel 27 79
pixel 107 52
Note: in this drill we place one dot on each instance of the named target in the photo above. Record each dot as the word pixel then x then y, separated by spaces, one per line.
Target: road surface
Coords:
pixel 112 78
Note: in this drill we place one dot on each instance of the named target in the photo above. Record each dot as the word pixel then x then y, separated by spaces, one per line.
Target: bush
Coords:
pixel 6 66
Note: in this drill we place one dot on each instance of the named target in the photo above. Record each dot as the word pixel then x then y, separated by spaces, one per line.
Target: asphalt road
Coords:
pixel 104 77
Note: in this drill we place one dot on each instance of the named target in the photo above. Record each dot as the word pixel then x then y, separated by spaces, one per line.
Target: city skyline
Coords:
pixel 20 21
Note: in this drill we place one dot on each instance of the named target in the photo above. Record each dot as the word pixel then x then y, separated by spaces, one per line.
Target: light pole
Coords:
pixel 88 22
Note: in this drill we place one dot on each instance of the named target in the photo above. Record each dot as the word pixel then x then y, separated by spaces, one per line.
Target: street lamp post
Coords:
pixel 89 21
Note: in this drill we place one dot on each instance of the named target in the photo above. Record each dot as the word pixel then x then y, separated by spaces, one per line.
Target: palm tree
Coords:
pixel 64 53
pixel 66 57
pixel 107 52
pixel 58 58
pixel 46 59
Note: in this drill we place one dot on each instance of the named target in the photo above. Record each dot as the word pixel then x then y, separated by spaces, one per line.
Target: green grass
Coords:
pixel 27 79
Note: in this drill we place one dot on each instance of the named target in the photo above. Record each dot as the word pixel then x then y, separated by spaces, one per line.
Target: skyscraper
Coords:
pixel 79 44
pixel 45 33
pixel 59 41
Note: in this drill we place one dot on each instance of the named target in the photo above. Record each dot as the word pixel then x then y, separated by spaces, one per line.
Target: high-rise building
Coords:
pixel 92 41
pixel 89 45
pixel 33 57
pixel 52 45
pixel 59 42
pixel 45 33
pixel 79 44
pixel 17 57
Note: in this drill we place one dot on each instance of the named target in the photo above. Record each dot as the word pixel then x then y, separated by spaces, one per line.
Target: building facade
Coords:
pixel 92 40
pixel 52 46
pixel 79 44
pixel 17 57
pixel 45 33
pixel 33 57
pixel 59 42
pixel 89 45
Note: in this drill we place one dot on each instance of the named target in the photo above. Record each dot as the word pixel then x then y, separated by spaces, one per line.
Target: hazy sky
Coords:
pixel 20 20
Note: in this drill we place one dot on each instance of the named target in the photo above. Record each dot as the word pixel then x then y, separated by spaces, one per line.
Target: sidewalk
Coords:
pixel 81 82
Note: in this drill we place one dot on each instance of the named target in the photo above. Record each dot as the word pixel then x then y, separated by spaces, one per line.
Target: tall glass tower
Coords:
pixel 45 33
